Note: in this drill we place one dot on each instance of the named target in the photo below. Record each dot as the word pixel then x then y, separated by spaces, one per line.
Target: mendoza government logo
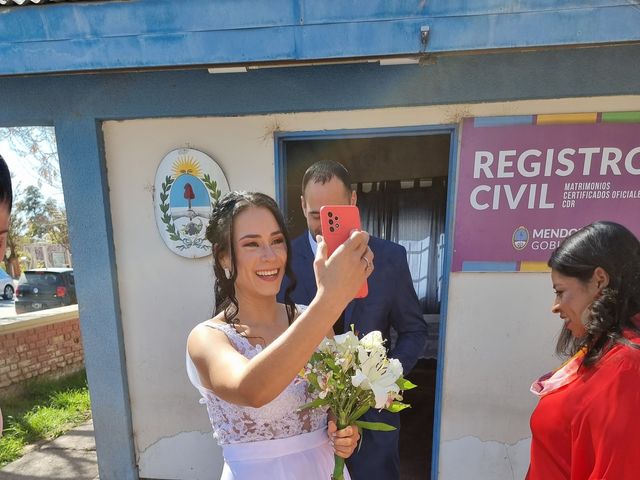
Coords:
pixel 520 238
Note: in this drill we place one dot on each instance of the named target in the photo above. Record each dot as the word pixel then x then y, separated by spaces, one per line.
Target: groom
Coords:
pixel 392 302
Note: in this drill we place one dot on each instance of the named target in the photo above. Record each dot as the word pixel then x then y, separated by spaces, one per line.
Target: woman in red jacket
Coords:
pixel 587 423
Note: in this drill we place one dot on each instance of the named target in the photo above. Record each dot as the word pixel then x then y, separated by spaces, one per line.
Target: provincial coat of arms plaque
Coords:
pixel 188 184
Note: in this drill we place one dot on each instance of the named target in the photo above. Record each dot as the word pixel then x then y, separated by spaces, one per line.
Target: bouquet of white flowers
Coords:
pixel 351 376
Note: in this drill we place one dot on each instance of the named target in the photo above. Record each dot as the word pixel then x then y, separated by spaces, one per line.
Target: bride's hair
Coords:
pixel 220 234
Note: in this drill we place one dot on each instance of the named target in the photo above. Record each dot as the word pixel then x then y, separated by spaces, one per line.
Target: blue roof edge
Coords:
pixel 143 34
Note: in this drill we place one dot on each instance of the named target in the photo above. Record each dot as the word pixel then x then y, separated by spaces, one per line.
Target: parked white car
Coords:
pixel 7 285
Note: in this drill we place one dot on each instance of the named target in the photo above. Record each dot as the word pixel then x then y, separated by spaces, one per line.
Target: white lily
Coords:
pixel 346 346
pixel 346 342
pixel 372 341
pixel 377 374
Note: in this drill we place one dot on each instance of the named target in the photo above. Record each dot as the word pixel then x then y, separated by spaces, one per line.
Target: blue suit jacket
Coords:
pixel 392 301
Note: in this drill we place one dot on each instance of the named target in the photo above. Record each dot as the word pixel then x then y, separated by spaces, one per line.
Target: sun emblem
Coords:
pixel 186 165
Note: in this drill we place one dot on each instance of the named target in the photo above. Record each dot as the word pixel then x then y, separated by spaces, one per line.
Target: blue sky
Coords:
pixel 201 193
pixel 24 173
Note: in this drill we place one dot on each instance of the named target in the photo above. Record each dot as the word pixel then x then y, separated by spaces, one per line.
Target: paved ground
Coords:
pixel 7 308
pixel 69 457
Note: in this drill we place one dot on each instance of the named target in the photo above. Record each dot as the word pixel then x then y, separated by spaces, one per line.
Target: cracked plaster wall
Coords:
pixel 500 337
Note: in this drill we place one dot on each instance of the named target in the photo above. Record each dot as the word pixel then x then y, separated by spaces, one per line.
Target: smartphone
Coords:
pixel 337 223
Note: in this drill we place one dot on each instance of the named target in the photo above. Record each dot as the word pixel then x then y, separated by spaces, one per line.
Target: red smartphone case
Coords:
pixel 337 223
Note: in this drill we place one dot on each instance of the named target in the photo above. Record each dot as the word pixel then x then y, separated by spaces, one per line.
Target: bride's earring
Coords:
pixel 227 273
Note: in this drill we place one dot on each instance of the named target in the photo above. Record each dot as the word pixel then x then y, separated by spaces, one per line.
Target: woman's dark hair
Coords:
pixel 220 234
pixel 616 250
pixel 6 191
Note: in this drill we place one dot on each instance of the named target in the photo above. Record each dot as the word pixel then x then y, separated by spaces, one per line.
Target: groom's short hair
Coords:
pixel 323 171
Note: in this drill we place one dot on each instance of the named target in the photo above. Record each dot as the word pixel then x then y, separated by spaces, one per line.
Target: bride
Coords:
pixel 245 360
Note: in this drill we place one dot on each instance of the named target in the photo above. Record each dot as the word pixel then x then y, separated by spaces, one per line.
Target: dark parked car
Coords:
pixel 42 288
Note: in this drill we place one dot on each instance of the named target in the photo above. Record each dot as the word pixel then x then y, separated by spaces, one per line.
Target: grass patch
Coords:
pixel 44 410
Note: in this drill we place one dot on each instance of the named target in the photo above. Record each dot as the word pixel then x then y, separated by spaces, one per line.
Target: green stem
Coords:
pixel 342 421
pixel 338 468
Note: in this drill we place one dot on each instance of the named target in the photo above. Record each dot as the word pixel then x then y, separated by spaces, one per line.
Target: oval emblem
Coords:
pixel 35 290
pixel 188 183
pixel 520 238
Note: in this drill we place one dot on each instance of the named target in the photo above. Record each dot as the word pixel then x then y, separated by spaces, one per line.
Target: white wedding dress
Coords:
pixel 276 441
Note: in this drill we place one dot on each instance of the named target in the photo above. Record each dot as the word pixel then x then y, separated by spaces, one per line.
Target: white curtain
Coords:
pixel 415 218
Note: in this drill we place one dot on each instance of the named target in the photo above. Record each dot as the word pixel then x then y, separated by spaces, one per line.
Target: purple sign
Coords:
pixel 525 183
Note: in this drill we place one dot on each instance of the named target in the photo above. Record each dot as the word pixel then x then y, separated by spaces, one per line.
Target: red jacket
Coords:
pixel 590 428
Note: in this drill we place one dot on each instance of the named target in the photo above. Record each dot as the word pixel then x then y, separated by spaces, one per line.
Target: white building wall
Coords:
pixel 500 332
pixel 500 335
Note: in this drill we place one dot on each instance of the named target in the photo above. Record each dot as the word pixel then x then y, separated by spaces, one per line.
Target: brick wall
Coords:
pixel 43 344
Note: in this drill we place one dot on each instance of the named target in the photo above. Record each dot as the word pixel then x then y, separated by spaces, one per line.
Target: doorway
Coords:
pixel 402 180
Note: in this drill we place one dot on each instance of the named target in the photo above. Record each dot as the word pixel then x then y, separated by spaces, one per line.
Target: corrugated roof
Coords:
pixel 17 3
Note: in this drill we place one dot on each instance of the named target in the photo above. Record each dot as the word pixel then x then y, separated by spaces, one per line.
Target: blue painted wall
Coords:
pixel 72 37
pixel 75 105
pixel 87 203
pixel 450 79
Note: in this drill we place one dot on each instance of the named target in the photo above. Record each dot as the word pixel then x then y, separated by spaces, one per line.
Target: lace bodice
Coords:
pixel 279 418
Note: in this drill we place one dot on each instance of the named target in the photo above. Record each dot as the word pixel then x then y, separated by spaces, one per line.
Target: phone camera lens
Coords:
pixel 330 222
pixel 330 214
pixel 331 229
pixel 336 218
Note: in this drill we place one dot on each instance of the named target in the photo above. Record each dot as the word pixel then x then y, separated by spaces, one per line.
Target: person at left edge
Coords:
pixel 6 202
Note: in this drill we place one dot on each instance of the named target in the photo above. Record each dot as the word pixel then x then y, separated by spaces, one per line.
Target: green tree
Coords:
pixel 42 219
pixel 35 211
pixel 59 231
pixel 37 219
